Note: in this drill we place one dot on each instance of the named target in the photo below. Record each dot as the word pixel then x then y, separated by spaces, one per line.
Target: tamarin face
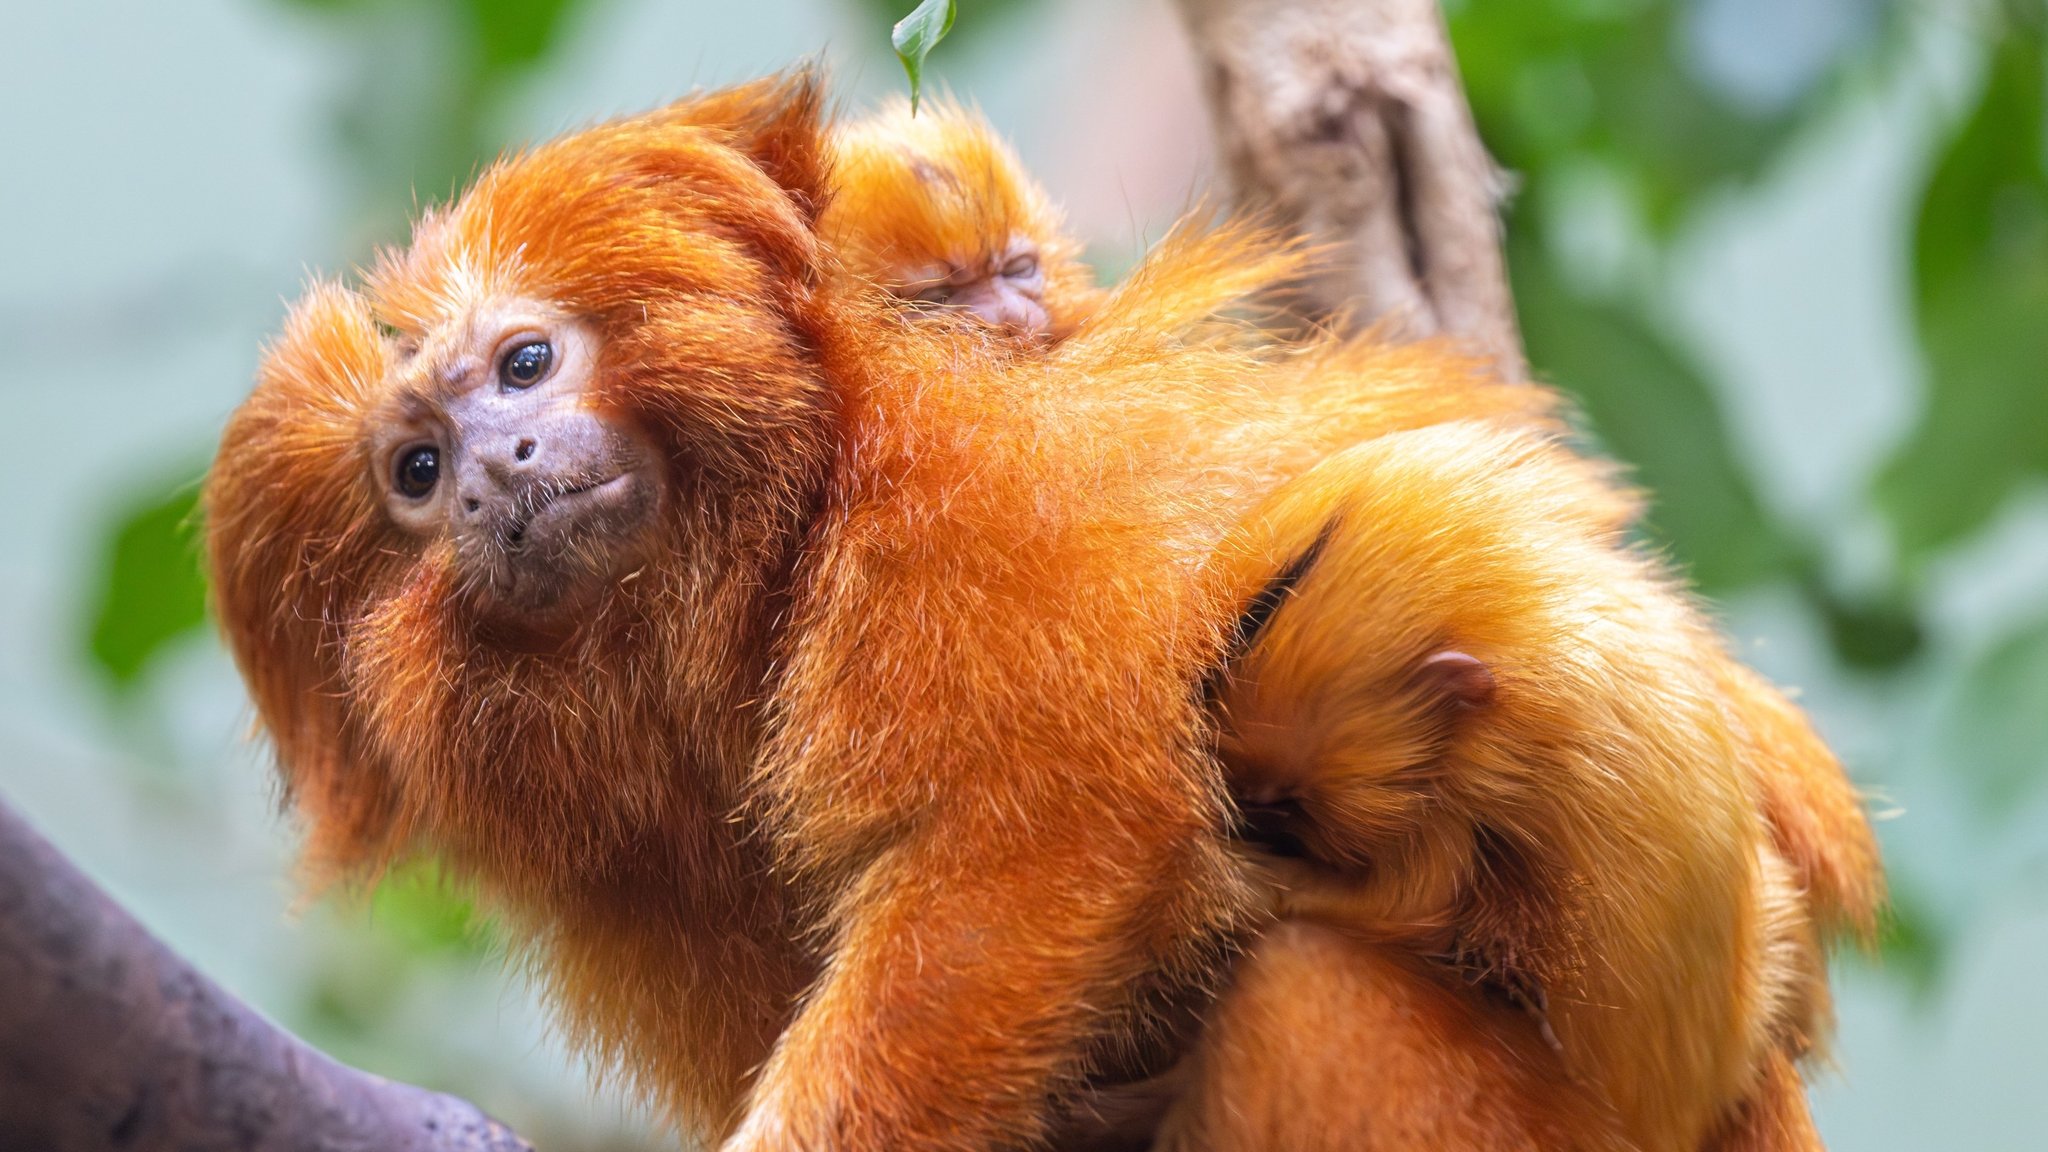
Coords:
pixel 488 444
pixel 513 509
pixel 936 209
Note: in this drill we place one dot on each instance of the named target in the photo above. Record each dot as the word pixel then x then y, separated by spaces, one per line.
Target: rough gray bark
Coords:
pixel 109 1041
pixel 1346 120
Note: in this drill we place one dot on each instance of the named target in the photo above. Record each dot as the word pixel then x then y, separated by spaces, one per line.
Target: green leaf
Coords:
pixel 1998 722
pixel 421 910
pixel 1648 405
pixel 152 590
pixel 987 13
pixel 1555 82
pixel 513 35
pixel 1875 632
pixel 916 35
pixel 1981 266
pixel 1911 944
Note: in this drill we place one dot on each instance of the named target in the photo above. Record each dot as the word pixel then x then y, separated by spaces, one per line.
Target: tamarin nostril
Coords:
pixel 524 451
pixel 471 504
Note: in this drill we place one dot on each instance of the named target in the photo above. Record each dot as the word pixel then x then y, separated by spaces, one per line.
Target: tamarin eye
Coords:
pixel 526 364
pixel 419 470
pixel 1020 267
pixel 936 294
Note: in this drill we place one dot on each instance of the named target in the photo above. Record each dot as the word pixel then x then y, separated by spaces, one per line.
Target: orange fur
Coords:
pixel 875 806
pixel 1589 840
pixel 1368 747
pixel 1428 1065
pixel 916 198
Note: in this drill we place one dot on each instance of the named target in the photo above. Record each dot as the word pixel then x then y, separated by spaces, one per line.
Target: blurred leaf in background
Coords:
pixel 1641 392
pixel 1562 88
pixel 151 590
pixel 1980 263
pixel 1912 944
pixel 413 917
pixel 421 114
pixel 1998 723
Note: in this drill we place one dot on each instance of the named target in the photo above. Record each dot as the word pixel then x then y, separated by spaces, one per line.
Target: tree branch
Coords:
pixel 109 1041
pixel 1346 120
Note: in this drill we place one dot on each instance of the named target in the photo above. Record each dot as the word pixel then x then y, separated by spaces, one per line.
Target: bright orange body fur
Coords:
pixel 873 806
pixel 1592 843
pixel 1608 677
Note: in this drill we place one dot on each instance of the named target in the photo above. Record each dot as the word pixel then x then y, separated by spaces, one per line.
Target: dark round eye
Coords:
pixel 525 365
pixel 419 469
pixel 1021 267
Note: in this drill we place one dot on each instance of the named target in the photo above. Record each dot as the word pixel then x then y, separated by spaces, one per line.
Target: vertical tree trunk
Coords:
pixel 1346 120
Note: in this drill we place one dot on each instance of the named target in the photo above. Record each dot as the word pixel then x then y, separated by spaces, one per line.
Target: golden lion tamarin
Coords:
pixel 936 208
pixel 1354 756
pixel 821 694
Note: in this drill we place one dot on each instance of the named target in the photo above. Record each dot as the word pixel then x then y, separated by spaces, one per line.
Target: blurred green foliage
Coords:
pixel 1563 87
pixel 1998 724
pixel 420 114
pixel 1560 88
pixel 151 591
pixel 1912 943
pixel 1980 254
pixel 1650 406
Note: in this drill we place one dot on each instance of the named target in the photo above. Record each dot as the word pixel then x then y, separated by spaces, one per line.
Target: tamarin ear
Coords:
pixel 1456 680
pixel 778 122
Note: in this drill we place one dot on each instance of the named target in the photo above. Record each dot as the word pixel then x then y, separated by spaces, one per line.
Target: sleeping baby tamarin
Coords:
pixel 936 208
pixel 829 700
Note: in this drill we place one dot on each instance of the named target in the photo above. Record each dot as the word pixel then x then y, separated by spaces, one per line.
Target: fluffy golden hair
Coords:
pixel 876 804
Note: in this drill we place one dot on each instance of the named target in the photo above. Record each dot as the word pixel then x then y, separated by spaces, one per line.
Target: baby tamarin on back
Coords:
pixel 936 208
pixel 819 693
pixel 1351 748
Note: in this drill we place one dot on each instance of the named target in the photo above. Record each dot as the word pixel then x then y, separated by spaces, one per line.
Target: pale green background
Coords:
pixel 169 172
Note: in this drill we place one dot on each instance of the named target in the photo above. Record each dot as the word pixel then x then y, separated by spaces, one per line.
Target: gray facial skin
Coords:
pixel 1005 288
pixel 491 445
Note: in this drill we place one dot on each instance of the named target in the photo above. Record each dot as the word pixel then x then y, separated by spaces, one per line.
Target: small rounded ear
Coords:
pixel 779 123
pixel 1456 680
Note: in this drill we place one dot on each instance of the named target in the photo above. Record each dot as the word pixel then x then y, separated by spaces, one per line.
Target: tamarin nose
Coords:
pixel 511 457
pixel 500 473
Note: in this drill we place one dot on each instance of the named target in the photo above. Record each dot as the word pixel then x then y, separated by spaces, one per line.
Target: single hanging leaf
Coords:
pixel 916 35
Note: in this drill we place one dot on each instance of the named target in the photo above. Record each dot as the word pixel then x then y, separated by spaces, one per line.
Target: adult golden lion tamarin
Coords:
pixel 1351 759
pixel 826 698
